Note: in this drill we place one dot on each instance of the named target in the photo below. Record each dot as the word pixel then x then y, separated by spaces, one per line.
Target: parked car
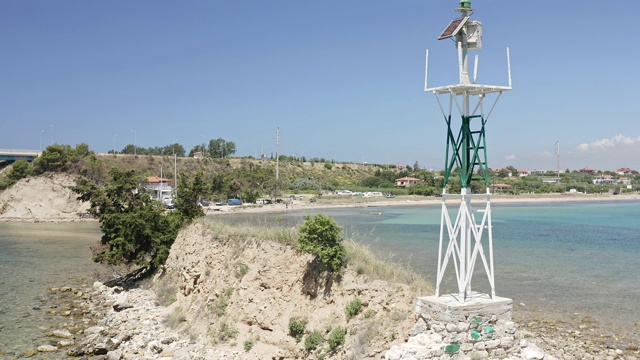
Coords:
pixel 234 202
pixel 204 203
pixel 219 203
pixel 168 203
pixel 389 196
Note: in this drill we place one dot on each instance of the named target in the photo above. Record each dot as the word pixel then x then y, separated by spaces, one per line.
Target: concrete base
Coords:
pixel 479 324
pixel 448 307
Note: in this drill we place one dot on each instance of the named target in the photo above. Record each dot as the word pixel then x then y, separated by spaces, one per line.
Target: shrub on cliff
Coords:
pixel 322 237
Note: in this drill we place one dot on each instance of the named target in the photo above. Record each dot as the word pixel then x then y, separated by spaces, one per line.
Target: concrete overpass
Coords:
pixel 18 154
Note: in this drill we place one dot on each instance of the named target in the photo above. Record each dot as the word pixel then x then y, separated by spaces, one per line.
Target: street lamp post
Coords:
pixel 255 149
pixel 135 145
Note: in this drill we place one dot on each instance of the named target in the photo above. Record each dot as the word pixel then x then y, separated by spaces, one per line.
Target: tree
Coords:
pixel 53 158
pixel 422 188
pixel 219 148
pixel 177 149
pixel 189 195
pixel 376 182
pixel 322 237
pixel 134 227
pixel 130 150
pixel 19 170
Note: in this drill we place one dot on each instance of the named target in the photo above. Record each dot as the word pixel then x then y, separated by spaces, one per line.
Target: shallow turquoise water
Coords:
pixel 33 258
pixel 560 259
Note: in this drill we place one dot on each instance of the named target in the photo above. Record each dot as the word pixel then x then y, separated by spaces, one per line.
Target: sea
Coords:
pixel 573 263
pixel 35 257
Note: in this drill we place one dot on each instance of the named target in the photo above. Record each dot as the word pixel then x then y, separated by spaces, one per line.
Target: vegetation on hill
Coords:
pixel 248 178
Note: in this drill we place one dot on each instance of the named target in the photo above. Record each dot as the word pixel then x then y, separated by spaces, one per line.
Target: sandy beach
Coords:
pixel 302 202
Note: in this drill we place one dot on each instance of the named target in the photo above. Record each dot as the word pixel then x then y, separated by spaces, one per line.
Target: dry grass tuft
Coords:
pixel 365 262
pixel 166 291
pixel 174 319
pixel 238 233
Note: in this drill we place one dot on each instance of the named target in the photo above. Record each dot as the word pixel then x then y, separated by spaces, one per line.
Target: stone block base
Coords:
pixel 477 325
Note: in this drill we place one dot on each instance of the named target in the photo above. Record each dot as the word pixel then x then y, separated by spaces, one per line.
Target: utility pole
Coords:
pixel 277 159
pixel 135 143
pixel 558 158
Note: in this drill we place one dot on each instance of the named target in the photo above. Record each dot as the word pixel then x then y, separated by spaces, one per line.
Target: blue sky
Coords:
pixel 341 79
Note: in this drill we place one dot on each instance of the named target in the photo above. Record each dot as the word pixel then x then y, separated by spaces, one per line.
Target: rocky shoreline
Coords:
pixel 115 324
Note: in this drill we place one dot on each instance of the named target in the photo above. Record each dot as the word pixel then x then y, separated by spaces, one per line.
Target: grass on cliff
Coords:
pixel 359 257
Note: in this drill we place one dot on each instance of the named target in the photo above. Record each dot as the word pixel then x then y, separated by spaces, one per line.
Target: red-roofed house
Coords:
pixel 407 181
pixel 625 181
pixel 623 171
pixel 587 170
pixel 158 188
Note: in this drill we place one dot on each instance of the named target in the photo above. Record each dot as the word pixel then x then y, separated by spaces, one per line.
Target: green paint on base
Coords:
pixel 452 348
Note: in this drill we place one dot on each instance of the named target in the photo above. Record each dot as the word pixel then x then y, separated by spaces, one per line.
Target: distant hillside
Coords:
pixel 235 175
pixel 343 173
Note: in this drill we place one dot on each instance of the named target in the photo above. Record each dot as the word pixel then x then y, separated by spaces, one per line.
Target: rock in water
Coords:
pixel 64 333
pixel 47 348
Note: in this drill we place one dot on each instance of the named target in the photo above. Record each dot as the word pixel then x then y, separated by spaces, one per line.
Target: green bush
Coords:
pixel 322 237
pixel 221 303
pixel 226 332
pixel 369 313
pixel 241 271
pixel 19 170
pixel 296 328
pixel 353 308
pixel 336 338
pixel 313 340
pixel 248 345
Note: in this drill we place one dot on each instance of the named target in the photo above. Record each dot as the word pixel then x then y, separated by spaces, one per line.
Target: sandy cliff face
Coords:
pixel 232 291
pixel 42 198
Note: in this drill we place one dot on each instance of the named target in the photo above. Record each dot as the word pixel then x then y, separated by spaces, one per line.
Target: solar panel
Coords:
pixel 454 27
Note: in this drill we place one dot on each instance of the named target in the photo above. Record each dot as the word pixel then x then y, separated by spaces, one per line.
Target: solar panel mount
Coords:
pixel 453 28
